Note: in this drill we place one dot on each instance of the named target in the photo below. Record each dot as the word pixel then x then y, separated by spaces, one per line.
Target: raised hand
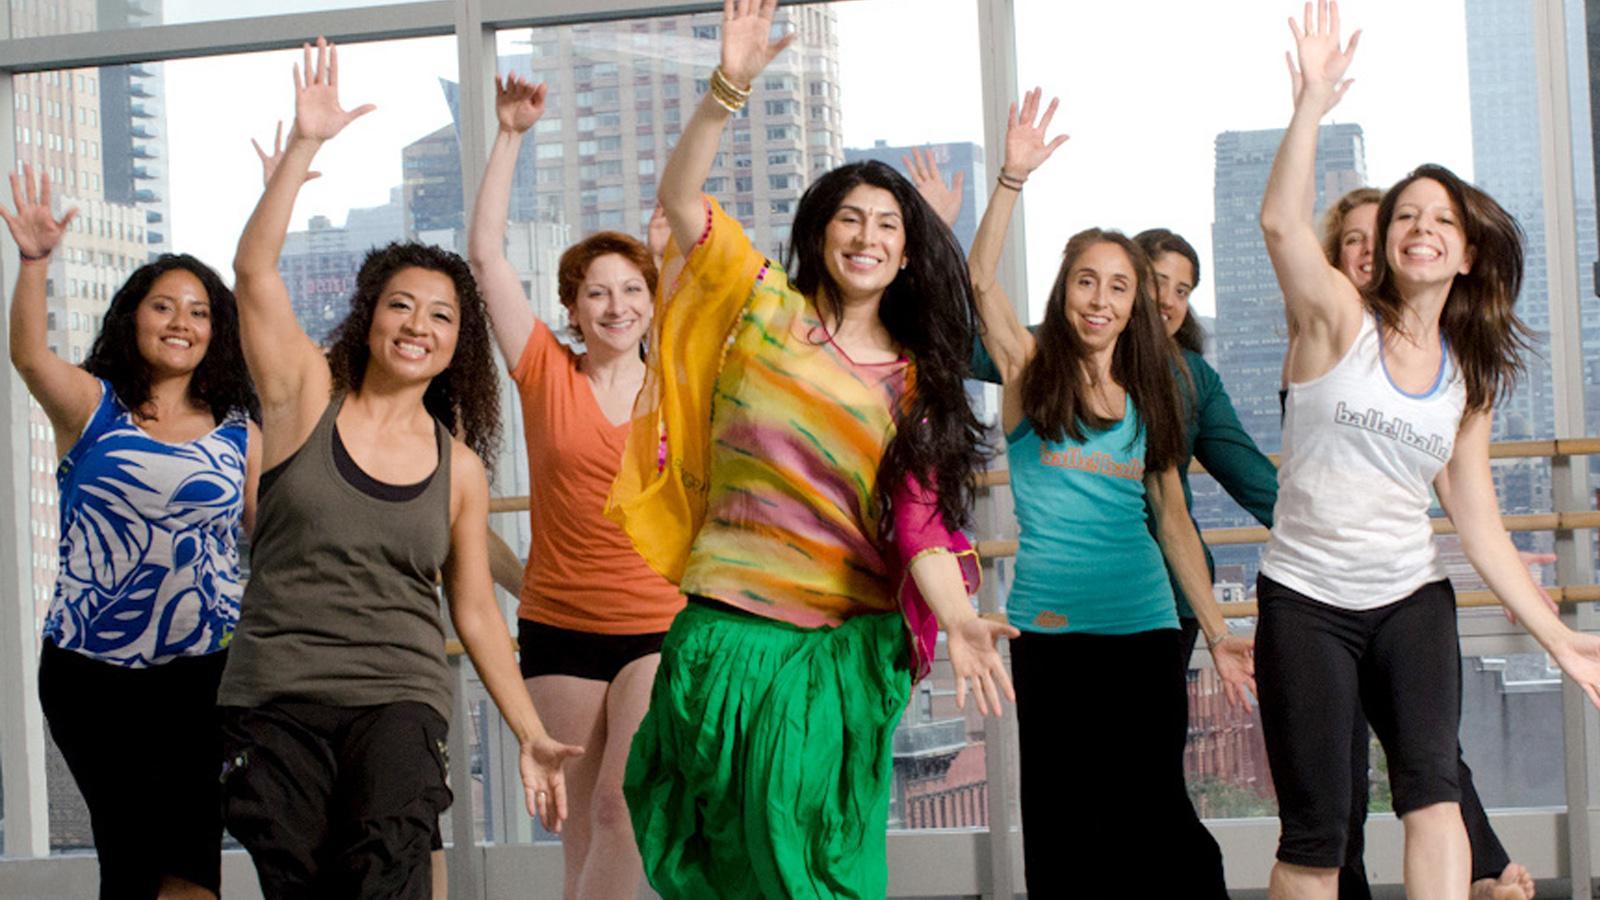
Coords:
pixel 518 103
pixel 269 163
pixel 975 656
pixel 317 113
pixel 945 199
pixel 543 781
pixel 747 45
pixel 1026 145
pixel 1322 62
pixel 35 229
pixel 658 232
pixel 1234 658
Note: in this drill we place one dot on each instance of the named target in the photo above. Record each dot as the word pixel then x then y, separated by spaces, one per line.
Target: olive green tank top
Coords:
pixel 341 608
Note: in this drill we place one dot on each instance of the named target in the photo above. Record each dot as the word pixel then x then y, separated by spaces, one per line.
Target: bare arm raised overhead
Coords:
pixel 290 372
pixel 67 393
pixel 518 104
pixel 1010 344
pixel 1323 307
pixel 747 49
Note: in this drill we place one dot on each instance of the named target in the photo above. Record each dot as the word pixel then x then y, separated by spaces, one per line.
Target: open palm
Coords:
pixel 747 44
pixel 1323 62
pixel 1027 146
pixel 317 113
pixel 33 227
pixel 543 781
pixel 518 103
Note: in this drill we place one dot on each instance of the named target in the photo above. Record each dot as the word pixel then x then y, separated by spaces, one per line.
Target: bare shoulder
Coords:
pixel 469 481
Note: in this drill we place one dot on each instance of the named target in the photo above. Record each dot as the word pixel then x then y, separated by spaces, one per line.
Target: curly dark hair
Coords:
pixel 930 312
pixel 221 382
pixel 465 397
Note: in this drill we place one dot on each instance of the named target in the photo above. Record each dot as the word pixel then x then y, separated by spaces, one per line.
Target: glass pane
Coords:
pixel 156 158
pixel 34 18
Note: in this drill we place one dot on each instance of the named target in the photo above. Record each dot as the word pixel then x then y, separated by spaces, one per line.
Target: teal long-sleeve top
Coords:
pixel 1214 437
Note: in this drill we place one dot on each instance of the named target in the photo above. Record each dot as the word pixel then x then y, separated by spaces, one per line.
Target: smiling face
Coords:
pixel 613 305
pixel 415 324
pixel 1425 243
pixel 1101 285
pixel 1174 283
pixel 864 246
pixel 1357 238
pixel 172 324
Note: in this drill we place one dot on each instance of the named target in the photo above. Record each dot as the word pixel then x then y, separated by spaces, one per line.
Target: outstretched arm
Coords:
pixel 1010 345
pixel 972 640
pixel 747 48
pixel 1469 500
pixel 1180 545
pixel 483 631
pixel 518 104
pixel 289 370
pixel 1321 304
pixel 67 393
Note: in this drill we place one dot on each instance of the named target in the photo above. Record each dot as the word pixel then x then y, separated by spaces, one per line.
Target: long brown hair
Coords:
pixel 1055 393
pixel 1479 319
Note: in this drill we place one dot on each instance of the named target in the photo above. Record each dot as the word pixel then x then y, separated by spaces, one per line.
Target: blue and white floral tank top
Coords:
pixel 149 559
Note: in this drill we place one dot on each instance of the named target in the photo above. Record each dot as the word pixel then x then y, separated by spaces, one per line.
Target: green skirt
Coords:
pixel 764 766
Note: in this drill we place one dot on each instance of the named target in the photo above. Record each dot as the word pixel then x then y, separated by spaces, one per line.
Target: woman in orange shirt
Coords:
pixel 592 614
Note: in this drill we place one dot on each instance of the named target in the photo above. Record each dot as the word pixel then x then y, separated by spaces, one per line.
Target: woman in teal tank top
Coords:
pixel 1094 425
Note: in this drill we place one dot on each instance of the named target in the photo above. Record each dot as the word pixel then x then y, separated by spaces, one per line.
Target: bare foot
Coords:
pixel 1515 883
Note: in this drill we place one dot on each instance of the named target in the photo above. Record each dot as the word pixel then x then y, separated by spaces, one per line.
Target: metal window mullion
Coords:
pixel 1569 476
pixel 27 808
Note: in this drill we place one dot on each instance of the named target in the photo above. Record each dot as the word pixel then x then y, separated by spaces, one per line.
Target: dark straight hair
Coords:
pixel 1055 390
pixel 1158 241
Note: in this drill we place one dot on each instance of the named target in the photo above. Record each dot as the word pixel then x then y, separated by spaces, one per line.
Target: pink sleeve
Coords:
pixel 920 530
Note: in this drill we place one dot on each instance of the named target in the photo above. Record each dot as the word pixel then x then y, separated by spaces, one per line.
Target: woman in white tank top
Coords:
pixel 1392 390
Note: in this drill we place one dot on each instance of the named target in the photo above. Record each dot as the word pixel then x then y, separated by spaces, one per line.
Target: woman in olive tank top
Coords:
pixel 336 697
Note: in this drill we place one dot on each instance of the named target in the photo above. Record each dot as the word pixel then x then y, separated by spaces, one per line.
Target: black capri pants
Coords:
pixel 1318 667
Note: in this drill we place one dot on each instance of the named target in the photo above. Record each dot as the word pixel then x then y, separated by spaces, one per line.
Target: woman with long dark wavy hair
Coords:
pixel 336 697
pixel 1095 430
pixel 818 456
pixel 158 464
pixel 1392 390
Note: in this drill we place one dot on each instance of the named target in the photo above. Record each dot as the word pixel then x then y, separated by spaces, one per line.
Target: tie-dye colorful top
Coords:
pixel 149 558
pixel 791 527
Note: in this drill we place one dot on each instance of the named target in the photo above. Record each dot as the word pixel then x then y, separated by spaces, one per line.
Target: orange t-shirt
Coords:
pixel 583 573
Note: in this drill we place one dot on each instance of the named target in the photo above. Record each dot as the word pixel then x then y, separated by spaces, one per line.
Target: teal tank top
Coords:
pixel 1086 561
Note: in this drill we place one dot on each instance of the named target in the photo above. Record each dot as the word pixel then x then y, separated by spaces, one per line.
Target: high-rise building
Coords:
pixel 1250 331
pixel 133 125
pixel 1507 164
pixel 319 265
pixel 962 156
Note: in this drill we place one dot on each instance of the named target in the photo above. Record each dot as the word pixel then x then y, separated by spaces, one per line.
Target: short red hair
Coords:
pixel 575 262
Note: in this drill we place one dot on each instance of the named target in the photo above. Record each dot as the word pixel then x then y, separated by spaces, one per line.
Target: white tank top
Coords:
pixel 1359 457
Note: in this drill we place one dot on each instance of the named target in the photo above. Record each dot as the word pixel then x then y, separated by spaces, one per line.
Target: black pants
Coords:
pixel 1319 669
pixel 142 746
pixel 336 801
pixel 1101 723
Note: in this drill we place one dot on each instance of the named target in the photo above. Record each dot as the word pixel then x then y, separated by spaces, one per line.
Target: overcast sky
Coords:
pixel 1146 86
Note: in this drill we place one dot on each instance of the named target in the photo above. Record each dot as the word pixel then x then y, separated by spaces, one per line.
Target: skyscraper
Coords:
pixel 1250 336
pixel 1507 164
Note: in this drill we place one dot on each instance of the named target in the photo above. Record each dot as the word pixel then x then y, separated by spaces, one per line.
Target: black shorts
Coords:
pixel 548 650
pixel 1318 668
pixel 336 801
pixel 142 745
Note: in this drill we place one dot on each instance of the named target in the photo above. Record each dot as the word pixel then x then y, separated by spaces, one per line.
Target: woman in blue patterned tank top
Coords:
pixel 157 474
